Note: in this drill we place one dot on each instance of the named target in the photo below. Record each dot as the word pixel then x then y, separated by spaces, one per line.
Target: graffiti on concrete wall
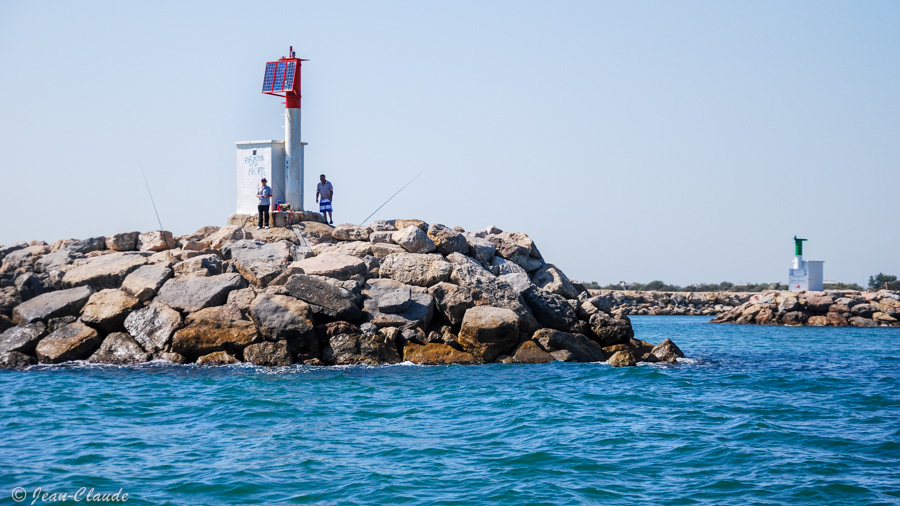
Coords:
pixel 255 165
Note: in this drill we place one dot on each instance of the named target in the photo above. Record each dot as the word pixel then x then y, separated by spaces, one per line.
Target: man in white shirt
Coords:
pixel 324 194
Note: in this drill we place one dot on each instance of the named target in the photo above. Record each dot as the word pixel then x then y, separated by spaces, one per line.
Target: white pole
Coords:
pixel 293 160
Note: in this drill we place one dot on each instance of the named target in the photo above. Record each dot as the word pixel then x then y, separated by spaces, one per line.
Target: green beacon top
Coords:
pixel 798 246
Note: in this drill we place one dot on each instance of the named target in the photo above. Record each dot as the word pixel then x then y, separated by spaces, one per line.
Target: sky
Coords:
pixel 636 140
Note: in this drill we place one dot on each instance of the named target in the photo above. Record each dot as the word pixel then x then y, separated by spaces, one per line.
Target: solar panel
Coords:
pixel 289 76
pixel 269 79
pixel 279 76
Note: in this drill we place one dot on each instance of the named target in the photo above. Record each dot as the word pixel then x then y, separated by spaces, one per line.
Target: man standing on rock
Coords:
pixel 324 194
pixel 265 198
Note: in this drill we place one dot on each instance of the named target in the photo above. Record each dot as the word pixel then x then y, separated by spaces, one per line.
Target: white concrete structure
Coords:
pixel 805 275
pixel 257 160
pixel 293 166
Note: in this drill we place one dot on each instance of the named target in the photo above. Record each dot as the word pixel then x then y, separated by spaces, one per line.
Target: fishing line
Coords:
pixel 161 229
pixel 392 196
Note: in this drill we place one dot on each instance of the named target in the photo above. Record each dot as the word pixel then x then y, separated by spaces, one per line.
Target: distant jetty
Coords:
pixel 837 308
pixel 398 290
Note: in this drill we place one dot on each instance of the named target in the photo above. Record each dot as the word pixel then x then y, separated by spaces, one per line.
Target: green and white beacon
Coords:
pixel 805 275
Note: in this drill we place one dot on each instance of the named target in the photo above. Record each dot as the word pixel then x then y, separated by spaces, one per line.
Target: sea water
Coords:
pixel 761 415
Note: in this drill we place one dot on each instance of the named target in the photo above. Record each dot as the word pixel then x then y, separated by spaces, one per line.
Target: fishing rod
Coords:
pixel 392 196
pixel 161 229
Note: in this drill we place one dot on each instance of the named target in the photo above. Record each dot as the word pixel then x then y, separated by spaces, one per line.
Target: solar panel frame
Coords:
pixel 289 72
pixel 269 78
pixel 279 76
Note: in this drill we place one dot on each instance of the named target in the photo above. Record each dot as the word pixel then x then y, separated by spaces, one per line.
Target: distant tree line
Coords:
pixel 879 280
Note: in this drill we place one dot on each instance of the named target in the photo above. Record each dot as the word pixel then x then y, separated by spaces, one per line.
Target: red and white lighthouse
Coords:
pixel 282 79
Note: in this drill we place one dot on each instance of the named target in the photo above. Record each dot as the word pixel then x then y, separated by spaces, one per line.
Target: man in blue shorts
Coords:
pixel 324 194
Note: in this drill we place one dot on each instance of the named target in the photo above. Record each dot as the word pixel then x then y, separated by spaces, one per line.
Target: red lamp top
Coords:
pixel 282 79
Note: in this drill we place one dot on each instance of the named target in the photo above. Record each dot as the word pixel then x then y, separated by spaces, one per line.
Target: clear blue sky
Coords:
pixel 682 141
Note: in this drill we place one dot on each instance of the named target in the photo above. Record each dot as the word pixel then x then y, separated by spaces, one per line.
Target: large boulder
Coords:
pixel 276 234
pixel 553 280
pixel 106 271
pixel 119 348
pixel 667 352
pixel 22 339
pixel 351 232
pixel 333 265
pixel 517 248
pixel 417 314
pixel 373 349
pixel 220 328
pixel 107 309
pixel 446 240
pixel 481 249
pixel 819 303
pixel 581 348
pixel 622 358
pixel 550 310
pixel 195 293
pixel 75 341
pixel 529 352
pixel 152 326
pixel 268 353
pixel 489 290
pixel 413 239
pixel 610 329
pixel 452 301
pixel 125 241
pixel 9 299
pixel 327 299
pixel 436 354
pixel 223 236
pixel 416 269
pixel 146 280
pixel 157 240
pixel 52 304
pixel 200 265
pixel 352 248
pixel 16 360
pixel 257 261
pixel 488 332
pixel 315 232
pixel 282 317
pixel 57 261
pixel 29 285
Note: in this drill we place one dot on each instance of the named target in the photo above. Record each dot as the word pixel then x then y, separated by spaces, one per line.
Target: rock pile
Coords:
pixel 829 308
pixel 671 303
pixel 399 290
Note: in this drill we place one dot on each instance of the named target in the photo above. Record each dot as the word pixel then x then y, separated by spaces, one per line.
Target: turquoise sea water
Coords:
pixel 763 415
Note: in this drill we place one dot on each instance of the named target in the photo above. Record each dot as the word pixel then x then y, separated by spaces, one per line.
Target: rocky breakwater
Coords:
pixel 632 302
pixel 821 309
pixel 400 290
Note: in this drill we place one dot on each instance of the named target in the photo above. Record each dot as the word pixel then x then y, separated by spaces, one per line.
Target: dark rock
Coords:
pixel 267 353
pixel 201 265
pixel 85 246
pixel 529 352
pixel 864 310
pixel 819 303
pixel 418 314
pixel 622 358
pixel 327 299
pixel 581 348
pixel 396 302
pixel 119 348
pixel 835 319
pixel 59 322
pixel 488 332
pixel 9 299
pixel 22 339
pixel 107 309
pixel 667 352
pixel 794 318
pixel 549 309
pixel 220 328
pixel 195 293
pixel 29 285
pixel 152 326
pixel 52 304
pixel 72 342
pixel 16 360
pixel 611 329
pixel 281 317
pixel 489 290
pixel 125 241
pixel 452 301
pixel 56 261
pixel 859 321
pixel 788 305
